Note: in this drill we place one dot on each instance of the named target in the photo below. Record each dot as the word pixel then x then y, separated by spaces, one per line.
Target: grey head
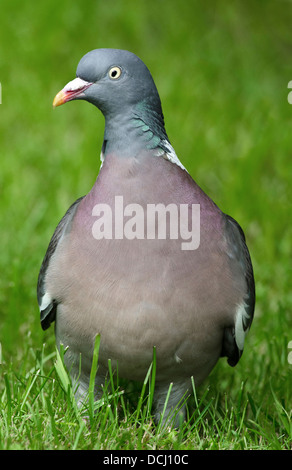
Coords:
pixel 121 86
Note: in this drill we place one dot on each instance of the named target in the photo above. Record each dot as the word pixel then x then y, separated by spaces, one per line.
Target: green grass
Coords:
pixel 38 411
pixel 222 70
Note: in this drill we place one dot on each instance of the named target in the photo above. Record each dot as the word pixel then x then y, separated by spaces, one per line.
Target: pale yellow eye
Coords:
pixel 115 72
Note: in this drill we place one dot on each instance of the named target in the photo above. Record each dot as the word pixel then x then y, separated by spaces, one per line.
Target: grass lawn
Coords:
pixel 222 70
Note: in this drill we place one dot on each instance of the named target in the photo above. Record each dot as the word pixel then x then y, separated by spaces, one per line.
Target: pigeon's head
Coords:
pixel 113 80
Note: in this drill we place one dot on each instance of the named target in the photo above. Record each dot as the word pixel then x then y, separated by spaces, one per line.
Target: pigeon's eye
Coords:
pixel 115 73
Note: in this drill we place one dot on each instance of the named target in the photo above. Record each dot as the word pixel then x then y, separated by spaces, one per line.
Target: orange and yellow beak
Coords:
pixel 71 91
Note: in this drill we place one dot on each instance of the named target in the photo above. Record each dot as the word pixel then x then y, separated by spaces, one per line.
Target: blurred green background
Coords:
pixel 222 70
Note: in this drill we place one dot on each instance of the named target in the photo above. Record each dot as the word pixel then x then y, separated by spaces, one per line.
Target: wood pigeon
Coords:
pixel 146 259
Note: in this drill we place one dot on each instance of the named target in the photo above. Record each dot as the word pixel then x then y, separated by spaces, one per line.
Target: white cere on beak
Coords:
pixel 76 84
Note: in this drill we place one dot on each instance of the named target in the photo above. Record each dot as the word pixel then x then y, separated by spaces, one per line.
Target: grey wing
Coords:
pixel 48 305
pixel 233 340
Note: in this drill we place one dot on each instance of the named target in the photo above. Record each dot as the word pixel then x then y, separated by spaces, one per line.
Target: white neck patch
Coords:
pixel 170 155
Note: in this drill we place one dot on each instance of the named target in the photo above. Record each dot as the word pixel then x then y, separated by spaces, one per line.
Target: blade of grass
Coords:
pixel 29 386
pixel 163 419
pixel 93 372
pixel 8 393
pixel 196 421
pixel 152 381
pixel 78 435
pixel 61 370
pixel 141 397
pixel 65 381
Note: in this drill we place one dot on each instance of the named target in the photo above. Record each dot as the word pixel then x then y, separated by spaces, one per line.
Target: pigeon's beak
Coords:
pixel 72 90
